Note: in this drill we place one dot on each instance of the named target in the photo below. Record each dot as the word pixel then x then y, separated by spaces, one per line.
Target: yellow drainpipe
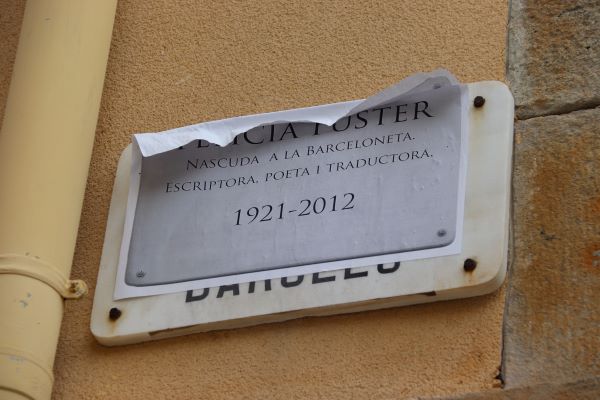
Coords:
pixel 45 149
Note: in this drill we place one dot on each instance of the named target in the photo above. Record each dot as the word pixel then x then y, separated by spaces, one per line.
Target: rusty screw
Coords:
pixel 470 265
pixel 114 314
pixel 478 102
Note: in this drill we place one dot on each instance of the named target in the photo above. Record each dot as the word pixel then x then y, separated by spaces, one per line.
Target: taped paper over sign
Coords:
pixel 301 191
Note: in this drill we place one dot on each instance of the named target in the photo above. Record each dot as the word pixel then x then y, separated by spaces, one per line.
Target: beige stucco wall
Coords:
pixel 173 64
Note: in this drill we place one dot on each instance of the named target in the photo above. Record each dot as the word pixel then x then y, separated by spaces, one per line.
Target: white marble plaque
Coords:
pixel 478 268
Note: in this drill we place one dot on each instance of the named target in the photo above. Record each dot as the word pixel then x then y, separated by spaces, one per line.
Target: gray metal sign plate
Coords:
pixel 382 181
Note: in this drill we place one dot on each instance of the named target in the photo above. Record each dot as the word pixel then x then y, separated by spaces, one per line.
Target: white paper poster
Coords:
pixel 295 192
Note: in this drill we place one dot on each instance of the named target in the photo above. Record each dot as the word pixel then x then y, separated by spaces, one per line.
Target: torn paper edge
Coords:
pixel 222 132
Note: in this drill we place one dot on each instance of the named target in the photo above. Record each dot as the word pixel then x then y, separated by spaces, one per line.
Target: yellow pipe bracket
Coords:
pixel 37 269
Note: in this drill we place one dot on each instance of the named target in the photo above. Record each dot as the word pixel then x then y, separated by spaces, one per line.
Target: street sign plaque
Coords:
pixel 388 209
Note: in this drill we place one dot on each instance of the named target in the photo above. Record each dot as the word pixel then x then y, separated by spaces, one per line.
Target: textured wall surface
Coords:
pixel 553 324
pixel 172 65
pixel 553 53
pixel 552 321
pixel 579 390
